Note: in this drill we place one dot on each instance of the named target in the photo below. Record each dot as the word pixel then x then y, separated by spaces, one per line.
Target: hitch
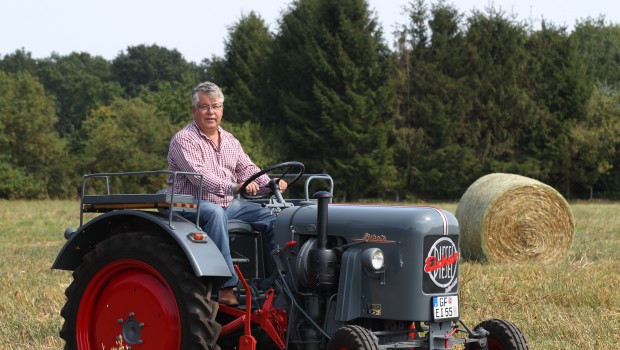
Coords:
pixel 266 317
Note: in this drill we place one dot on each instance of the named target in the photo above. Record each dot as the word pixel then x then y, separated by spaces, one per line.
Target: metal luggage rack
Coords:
pixel 102 203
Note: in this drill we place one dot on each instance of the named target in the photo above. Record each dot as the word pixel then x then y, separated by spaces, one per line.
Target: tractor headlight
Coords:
pixel 373 259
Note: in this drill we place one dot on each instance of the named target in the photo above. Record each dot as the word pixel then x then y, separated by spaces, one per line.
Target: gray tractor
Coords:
pixel 335 276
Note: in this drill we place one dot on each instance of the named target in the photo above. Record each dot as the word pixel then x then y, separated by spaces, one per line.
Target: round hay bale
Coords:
pixel 507 217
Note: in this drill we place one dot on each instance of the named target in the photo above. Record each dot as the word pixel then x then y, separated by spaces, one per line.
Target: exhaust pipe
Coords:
pixel 322 261
pixel 323 197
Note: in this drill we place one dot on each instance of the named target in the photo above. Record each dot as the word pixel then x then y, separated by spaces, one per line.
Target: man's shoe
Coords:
pixel 227 297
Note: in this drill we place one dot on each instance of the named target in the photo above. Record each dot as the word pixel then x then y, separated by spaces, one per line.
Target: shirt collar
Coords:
pixel 197 130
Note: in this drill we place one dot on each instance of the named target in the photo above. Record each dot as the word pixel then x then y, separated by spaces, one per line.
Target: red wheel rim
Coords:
pixel 128 298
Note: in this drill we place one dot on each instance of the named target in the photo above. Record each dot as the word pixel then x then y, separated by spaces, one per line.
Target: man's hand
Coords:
pixel 283 185
pixel 251 189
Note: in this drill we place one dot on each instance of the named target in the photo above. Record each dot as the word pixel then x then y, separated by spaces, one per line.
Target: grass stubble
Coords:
pixel 569 304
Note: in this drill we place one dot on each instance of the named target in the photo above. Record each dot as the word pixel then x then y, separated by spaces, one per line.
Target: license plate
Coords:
pixel 445 307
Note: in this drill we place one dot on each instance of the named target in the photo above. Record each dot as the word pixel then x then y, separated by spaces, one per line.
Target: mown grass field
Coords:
pixel 571 304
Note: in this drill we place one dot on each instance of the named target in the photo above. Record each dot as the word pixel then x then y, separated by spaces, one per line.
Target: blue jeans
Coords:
pixel 214 221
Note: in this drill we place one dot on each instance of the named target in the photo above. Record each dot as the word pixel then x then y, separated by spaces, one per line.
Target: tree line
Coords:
pixel 453 98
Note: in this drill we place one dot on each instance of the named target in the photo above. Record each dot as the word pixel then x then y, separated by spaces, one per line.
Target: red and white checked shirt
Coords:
pixel 192 151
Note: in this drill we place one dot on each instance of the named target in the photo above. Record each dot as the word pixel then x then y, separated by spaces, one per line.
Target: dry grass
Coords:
pixel 569 304
pixel 31 293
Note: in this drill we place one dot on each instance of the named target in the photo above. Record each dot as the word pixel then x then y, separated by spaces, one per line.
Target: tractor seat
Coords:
pixel 240 227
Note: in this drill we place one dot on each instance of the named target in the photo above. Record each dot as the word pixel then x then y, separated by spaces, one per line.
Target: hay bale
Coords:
pixel 507 217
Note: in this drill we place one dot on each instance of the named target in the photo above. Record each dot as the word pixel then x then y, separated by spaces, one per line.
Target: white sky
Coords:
pixel 198 29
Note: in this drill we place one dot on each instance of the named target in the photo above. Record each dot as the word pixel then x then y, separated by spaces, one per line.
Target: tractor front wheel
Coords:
pixel 353 338
pixel 136 291
pixel 503 335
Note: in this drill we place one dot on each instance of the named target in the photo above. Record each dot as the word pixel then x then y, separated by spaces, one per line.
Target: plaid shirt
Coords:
pixel 192 151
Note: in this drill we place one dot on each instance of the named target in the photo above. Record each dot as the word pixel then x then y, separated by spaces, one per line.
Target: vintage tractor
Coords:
pixel 335 276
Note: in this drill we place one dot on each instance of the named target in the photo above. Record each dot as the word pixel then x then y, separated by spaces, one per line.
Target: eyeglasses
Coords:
pixel 215 108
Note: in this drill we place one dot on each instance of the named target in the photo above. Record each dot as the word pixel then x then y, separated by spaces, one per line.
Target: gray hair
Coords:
pixel 208 88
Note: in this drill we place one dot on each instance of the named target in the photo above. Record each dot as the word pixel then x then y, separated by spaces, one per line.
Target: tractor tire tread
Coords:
pixel 507 334
pixel 353 338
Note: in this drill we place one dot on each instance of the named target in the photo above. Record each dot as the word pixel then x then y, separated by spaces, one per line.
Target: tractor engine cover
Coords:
pixel 420 248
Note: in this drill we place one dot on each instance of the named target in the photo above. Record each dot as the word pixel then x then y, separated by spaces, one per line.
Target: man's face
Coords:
pixel 208 113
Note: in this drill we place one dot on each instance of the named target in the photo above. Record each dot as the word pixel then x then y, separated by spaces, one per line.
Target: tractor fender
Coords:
pixel 204 256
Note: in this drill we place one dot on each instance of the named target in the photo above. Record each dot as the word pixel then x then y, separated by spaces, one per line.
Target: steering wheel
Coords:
pixel 273 184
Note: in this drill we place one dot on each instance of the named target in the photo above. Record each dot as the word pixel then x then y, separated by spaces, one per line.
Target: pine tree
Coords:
pixel 334 94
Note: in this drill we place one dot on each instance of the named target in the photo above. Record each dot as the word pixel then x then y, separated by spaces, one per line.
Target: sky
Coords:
pixel 198 29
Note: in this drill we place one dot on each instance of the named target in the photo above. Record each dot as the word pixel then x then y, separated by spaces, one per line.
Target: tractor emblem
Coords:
pixel 440 265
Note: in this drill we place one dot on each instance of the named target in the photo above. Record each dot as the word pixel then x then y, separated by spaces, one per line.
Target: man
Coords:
pixel 204 147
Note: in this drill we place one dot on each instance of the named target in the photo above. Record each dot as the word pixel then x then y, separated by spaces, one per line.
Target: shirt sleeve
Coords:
pixel 246 168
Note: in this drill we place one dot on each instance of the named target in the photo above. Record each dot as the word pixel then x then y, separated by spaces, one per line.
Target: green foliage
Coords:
pixel 32 151
pixel 18 61
pixel 242 74
pixel 171 100
pixel 332 71
pixel 560 88
pixel 145 67
pixel 79 83
pixel 502 108
pixel 487 97
pixel 255 140
pixel 128 135
pixel 433 130
pixel 598 43
pixel 595 140
pixel 18 183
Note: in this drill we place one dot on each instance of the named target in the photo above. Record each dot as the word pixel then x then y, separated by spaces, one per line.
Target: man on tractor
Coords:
pixel 204 147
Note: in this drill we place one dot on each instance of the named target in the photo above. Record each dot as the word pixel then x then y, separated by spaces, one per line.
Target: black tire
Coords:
pixel 503 335
pixel 353 338
pixel 139 287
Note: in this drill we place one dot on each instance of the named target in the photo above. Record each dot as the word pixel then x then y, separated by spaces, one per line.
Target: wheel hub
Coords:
pixel 132 330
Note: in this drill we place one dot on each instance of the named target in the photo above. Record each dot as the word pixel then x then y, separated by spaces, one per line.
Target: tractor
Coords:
pixel 334 276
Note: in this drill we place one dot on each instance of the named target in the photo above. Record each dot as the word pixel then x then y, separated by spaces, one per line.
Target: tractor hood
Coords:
pixel 420 246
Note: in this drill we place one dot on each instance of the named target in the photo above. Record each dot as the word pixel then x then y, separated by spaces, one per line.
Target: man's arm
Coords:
pixel 246 168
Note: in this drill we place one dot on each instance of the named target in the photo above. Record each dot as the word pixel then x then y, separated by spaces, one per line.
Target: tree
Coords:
pixel 145 67
pixel 255 142
pixel 33 162
pixel 128 135
pixel 598 42
pixel 501 107
pixel 171 100
pixel 331 72
pixel 595 140
pixel 242 75
pixel 434 138
pixel 19 61
pixel 560 86
pixel 79 83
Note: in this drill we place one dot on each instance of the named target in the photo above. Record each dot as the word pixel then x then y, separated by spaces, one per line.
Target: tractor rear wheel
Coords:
pixel 353 338
pixel 503 335
pixel 138 290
